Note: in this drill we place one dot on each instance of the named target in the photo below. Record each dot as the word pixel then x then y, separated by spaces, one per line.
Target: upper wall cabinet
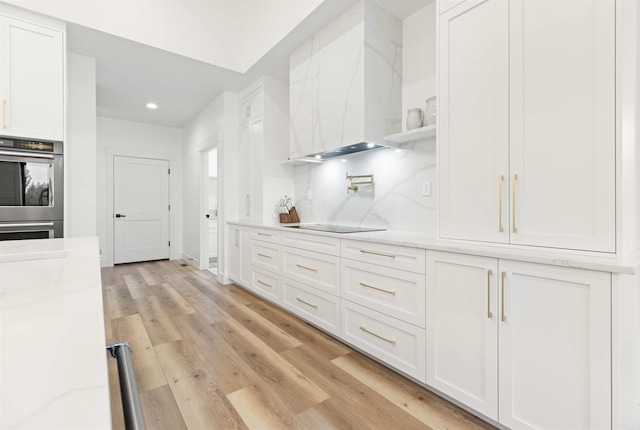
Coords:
pixel 527 123
pixel 31 77
pixel 346 82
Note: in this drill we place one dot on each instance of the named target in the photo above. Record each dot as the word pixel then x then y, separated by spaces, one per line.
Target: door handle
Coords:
pixel 120 216
pixel 206 216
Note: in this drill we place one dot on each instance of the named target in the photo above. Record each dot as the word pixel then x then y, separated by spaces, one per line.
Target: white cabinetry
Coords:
pixel 533 339
pixel 213 238
pixel 240 255
pixel 263 120
pixel 527 123
pixel 31 76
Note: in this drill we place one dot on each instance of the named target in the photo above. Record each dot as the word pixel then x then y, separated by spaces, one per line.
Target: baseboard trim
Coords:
pixel 191 260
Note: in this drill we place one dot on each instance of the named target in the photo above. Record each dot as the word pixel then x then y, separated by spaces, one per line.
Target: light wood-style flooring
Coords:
pixel 210 356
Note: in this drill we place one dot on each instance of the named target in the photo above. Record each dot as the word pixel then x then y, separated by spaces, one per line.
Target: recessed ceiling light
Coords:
pixel 318 157
pixel 152 106
pixel 370 145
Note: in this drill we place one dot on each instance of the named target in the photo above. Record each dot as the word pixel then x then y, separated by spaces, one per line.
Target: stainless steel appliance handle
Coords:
pixel 133 418
pixel 26 154
pixel 27 224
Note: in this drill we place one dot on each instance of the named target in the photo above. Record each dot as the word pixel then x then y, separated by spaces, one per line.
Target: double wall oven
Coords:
pixel 31 189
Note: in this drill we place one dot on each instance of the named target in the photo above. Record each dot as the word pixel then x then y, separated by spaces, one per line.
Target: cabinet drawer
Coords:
pixel 266 284
pixel 312 242
pixel 396 257
pixel 265 235
pixel 265 255
pixel 312 268
pixel 393 292
pixel 395 342
pixel 315 306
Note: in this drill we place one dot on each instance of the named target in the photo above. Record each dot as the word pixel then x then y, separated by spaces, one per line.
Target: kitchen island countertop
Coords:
pixel 53 363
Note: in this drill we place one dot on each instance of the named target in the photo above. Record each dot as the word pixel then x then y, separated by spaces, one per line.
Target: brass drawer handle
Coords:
pixel 264 234
pixel 500 186
pixel 264 255
pixel 306 303
pixel 307 268
pixel 265 284
pixel 364 251
pixel 379 289
pixel 391 341
pixel 513 201
pixel 504 317
pixel 489 273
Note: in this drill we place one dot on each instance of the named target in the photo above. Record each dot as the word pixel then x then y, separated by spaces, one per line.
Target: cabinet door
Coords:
pixel 474 121
pixel 244 172
pixel 234 254
pixel 31 80
pixel 245 258
pixel 555 347
pixel 562 134
pixel 255 164
pixel 462 329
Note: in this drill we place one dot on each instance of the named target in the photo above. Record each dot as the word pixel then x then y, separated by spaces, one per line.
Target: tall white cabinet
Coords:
pixel 527 123
pixel 31 76
pixel 525 344
pixel 262 147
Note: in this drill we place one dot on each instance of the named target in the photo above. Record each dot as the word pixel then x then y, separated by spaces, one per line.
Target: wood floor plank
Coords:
pixel 197 300
pixel 201 403
pixel 212 289
pixel 218 357
pixel 320 342
pixel 291 385
pixel 366 406
pixel 432 410
pixel 261 409
pixel 146 368
pixel 137 286
pixel 160 410
pixel 150 276
pixel 172 301
pixel 159 326
pixel 120 301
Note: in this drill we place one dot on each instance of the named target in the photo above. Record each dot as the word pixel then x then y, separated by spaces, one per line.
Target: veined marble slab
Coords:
pixel 53 363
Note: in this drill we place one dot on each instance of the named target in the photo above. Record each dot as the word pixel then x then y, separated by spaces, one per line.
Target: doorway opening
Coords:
pixel 211 205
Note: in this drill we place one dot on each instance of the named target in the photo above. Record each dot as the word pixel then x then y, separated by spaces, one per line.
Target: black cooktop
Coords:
pixel 335 228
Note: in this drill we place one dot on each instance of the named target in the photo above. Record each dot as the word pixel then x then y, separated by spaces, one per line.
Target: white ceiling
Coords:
pixel 129 73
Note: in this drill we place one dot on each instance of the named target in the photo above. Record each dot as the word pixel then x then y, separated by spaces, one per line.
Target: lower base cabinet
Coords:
pixel 318 307
pixel 525 344
pixel 395 342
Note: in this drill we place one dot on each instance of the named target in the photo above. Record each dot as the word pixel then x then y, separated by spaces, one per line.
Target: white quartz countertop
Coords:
pixel 53 362
pixel 556 257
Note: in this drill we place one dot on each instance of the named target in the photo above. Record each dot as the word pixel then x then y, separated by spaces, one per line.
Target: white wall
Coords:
pixel 80 147
pixel 216 124
pixel 143 140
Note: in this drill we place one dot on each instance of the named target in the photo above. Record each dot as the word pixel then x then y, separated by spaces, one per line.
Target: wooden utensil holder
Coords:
pixel 289 218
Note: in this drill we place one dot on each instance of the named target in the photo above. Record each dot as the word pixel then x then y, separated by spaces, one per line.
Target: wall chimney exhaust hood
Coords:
pixel 345 86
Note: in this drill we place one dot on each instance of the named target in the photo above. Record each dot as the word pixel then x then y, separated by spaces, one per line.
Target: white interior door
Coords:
pixel 141 209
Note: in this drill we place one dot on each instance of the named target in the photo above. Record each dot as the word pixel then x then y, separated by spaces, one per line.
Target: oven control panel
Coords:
pixel 29 145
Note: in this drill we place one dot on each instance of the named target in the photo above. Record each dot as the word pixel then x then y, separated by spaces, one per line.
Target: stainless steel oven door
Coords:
pixel 31 186
pixel 30 230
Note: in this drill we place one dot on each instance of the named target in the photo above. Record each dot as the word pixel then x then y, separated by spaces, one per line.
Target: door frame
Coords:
pixel 213 141
pixel 112 152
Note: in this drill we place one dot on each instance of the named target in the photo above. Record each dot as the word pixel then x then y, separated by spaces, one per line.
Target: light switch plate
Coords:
pixel 426 188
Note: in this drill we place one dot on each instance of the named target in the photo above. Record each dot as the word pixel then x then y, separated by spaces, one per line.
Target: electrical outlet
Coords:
pixel 426 188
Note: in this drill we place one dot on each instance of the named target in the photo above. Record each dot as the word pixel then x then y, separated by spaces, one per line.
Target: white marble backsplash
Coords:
pixel 395 202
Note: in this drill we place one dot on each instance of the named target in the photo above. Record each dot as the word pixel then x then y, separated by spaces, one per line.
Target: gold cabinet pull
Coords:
pixel 500 186
pixel 265 284
pixel 504 317
pixel 248 205
pixel 379 289
pixel 364 329
pixel 264 255
pixel 513 201
pixel 364 251
pixel 306 268
pixel 4 113
pixel 489 273
pixel 306 303
pixel 248 111
pixel 264 234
